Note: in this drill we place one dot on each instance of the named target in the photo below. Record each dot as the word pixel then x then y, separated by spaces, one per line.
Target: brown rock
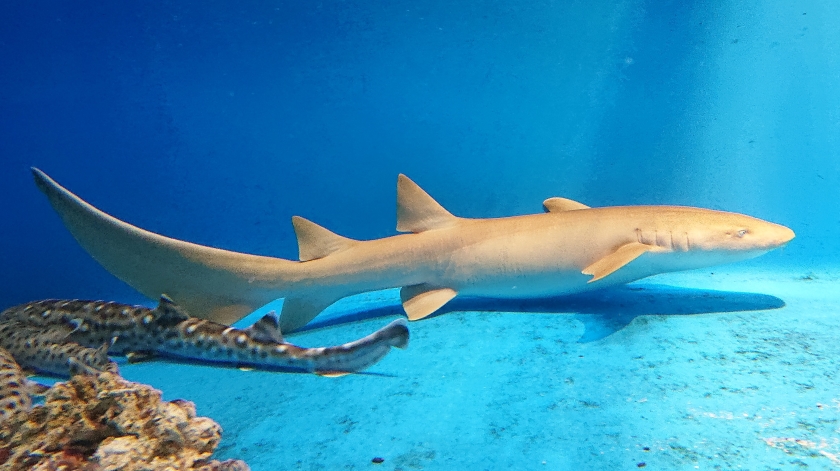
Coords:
pixel 103 423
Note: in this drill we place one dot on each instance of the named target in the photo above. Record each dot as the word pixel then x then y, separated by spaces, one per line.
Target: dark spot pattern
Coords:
pixel 52 336
pixel 14 394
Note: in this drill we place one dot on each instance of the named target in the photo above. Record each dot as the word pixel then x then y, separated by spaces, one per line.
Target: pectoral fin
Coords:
pixel 625 254
pixel 421 300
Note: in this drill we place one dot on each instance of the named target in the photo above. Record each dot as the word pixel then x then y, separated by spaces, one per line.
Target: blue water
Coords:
pixel 216 122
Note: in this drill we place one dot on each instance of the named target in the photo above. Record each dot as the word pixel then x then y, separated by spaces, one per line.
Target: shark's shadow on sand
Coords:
pixel 602 312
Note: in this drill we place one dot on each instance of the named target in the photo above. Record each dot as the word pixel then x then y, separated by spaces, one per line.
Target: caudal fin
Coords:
pixel 210 283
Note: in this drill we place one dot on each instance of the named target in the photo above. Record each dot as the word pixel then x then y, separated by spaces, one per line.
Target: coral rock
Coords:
pixel 106 423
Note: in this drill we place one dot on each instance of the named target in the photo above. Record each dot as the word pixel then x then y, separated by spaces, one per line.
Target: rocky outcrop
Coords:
pixel 103 422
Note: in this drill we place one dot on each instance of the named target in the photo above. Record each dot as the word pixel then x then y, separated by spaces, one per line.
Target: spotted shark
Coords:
pixel 16 390
pixel 64 337
pixel 569 248
pixel 48 350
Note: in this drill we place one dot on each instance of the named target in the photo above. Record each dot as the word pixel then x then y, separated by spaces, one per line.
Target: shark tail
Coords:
pixel 363 353
pixel 210 283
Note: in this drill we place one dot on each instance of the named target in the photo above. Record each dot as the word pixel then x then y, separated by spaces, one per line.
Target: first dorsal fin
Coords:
pixel 315 241
pixel 417 211
pixel 558 205
pixel 266 330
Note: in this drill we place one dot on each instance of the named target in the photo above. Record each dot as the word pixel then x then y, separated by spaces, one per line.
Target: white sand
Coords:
pixel 707 371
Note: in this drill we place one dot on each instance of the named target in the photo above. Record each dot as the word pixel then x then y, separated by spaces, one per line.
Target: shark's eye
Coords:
pixel 742 232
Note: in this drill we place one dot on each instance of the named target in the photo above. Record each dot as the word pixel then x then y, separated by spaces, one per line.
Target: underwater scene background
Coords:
pixel 215 122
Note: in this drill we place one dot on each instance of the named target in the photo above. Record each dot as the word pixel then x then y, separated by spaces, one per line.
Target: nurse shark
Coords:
pixel 569 248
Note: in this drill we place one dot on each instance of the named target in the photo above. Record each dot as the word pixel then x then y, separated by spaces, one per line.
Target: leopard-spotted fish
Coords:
pixel 168 331
pixel 48 349
pixel 15 390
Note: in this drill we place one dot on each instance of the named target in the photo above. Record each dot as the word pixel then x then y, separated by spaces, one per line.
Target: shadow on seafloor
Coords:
pixel 602 312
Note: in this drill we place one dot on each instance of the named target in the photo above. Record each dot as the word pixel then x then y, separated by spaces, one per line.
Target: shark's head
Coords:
pixel 714 237
pixel 737 232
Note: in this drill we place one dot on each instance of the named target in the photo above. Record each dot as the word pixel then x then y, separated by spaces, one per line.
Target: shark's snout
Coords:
pixel 781 236
pixel 789 235
pixel 767 236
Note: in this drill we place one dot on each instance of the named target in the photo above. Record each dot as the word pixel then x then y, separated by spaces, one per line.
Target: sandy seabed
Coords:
pixel 728 369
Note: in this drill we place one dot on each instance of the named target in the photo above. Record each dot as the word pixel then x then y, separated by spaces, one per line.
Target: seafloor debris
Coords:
pixel 807 448
pixel 103 423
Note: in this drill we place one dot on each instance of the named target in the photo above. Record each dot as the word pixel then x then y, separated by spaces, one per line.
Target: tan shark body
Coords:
pixel 570 248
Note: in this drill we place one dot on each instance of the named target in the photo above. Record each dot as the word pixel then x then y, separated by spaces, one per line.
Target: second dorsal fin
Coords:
pixel 315 241
pixel 558 205
pixel 417 211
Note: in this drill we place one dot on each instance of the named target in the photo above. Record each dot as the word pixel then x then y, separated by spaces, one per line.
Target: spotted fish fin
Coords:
pixel 332 374
pixel 267 329
pixel 82 364
pixel 417 211
pixel 139 357
pixel 28 371
pixel 101 354
pixel 315 241
pixel 35 388
pixel 421 300
pixel 167 312
pixel 78 326
pixel 559 205
pixel 625 254
pixel 76 367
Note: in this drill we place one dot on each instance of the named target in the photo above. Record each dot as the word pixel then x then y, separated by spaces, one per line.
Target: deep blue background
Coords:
pixel 215 122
